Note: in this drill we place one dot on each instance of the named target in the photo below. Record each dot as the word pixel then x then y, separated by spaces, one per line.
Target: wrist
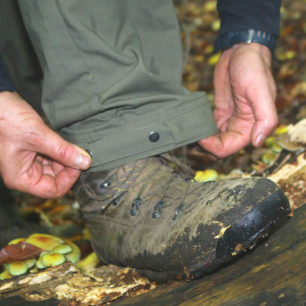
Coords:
pixel 4 95
pixel 242 49
pixel 8 93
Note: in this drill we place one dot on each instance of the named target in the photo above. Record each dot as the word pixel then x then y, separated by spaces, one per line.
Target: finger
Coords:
pixel 224 144
pixel 265 117
pixel 47 185
pixel 65 179
pixel 224 103
pixel 50 167
pixel 47 169
pixel 57 167
pixel 49 143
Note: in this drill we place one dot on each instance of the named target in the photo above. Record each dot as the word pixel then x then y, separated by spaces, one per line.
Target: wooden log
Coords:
pixel 65 285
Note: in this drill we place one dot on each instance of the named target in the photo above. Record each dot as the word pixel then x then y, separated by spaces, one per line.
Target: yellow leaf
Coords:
pixel 213 60
pixel 210 6
pixel 89 262
pixel 216 25
pixel 205 176
pixel 282 129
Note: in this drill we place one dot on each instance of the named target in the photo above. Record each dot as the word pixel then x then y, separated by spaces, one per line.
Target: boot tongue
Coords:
pixel 177 165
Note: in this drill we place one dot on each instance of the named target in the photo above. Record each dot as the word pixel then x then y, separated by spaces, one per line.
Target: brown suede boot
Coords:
pixel 150 215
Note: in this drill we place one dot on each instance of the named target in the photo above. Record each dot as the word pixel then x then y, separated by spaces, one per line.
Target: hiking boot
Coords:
pixel 151 215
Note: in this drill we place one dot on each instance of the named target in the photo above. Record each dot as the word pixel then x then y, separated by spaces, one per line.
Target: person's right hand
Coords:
pixel 245 91
pixel 33 158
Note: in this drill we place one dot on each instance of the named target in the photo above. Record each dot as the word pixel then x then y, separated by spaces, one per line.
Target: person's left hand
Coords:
pixel 245 91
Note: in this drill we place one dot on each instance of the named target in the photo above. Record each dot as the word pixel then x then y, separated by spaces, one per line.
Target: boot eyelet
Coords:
pixel 104 185
pixel 176 212
pixel 157 210
pixel 116 202
pixel 133 212
pixel 155 214
pixel 135 206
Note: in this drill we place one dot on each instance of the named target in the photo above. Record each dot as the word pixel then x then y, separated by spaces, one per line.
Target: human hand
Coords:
pixel 33 158
pixel 245 92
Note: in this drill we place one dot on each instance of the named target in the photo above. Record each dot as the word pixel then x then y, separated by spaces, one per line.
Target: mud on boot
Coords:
pixel 150 215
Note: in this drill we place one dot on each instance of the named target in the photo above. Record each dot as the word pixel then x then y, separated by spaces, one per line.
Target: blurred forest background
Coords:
pixel 21 215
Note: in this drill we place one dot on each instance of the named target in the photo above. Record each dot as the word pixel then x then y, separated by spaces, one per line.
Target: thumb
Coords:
pixel 50 144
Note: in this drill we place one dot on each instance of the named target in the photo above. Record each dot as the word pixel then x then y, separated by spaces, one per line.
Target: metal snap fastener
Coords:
pixel 154 136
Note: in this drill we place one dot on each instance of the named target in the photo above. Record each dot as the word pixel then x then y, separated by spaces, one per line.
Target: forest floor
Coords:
pixel 283 161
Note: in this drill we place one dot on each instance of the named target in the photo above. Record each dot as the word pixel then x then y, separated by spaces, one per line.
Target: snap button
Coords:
pixel 154 136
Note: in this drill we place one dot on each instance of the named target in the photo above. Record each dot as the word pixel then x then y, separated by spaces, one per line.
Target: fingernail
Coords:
pixel 259 141
pixel 83 160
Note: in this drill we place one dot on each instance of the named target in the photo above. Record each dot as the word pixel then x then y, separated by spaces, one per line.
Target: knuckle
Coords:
pixel 63 152
pixel 33 137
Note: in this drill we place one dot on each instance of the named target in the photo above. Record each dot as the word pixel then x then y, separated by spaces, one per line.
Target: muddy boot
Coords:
pixel 150 215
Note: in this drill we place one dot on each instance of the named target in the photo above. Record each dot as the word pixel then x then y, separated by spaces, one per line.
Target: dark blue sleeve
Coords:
pixel 240 15
pixel 5 81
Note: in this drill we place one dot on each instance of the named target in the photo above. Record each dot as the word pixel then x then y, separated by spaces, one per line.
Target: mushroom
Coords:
pixel 17 268
pixel 30 262
pixel 52 259
pixel 62 249
pixel 44 241
pixel 39 263
pixel 17 240
pixel 75 255
pixel 5 275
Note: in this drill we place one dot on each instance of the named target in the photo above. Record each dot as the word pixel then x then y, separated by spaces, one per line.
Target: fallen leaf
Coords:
pixel 18 252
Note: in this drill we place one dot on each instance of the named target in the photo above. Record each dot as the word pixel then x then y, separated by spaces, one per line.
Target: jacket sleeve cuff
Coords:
pixel 241 16
pixel 5 81
pixel 227 40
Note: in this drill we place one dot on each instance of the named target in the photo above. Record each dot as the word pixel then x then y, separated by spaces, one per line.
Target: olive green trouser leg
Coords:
pixel 18 55
pixel 112 77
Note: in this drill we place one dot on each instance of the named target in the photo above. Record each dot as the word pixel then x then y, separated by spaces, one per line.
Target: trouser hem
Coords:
pixel 191 123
